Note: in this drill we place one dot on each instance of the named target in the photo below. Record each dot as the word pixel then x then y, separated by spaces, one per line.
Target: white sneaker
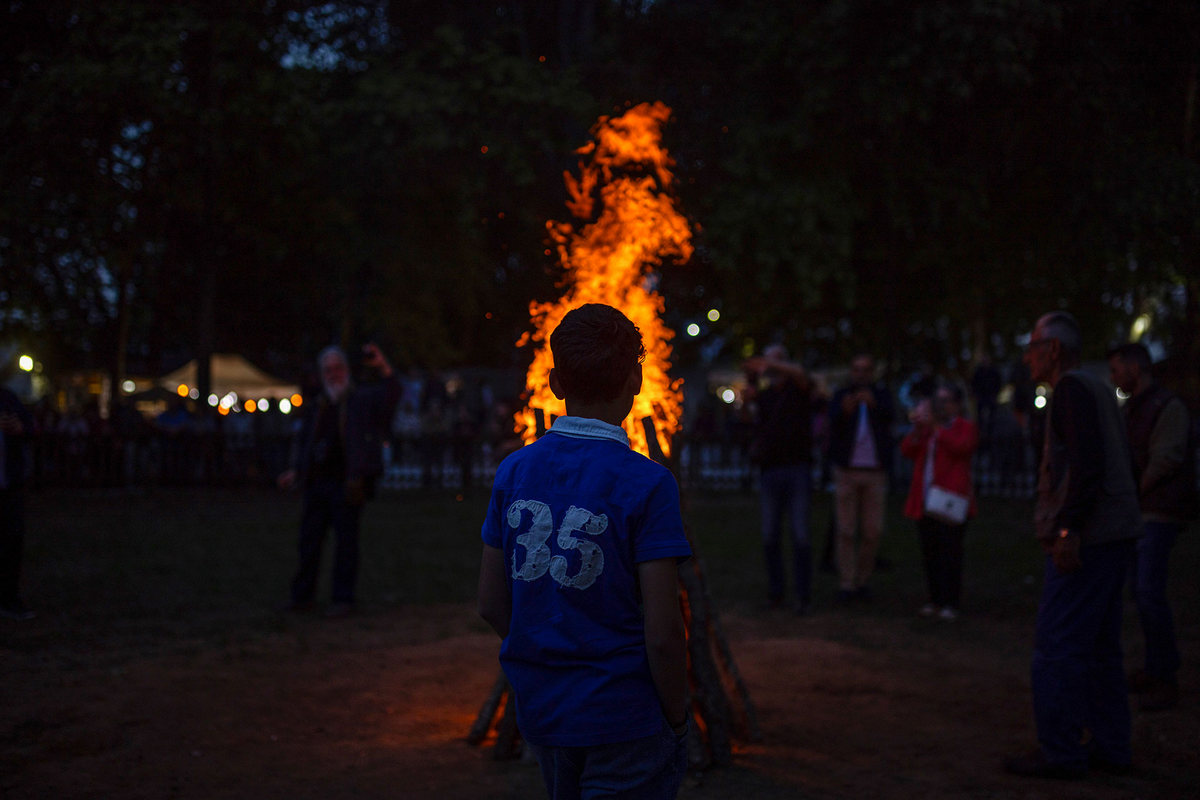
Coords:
pixel 948 614
pixel 927 610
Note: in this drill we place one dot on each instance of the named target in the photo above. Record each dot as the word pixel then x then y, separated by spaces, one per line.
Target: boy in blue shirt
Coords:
pixel 580 549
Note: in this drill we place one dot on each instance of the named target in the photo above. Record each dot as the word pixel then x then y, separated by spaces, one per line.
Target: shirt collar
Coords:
pixel 588 428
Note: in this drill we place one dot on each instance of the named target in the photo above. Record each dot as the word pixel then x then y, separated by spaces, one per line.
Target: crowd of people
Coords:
pixel 847 440
pixel 1116 485
pixel 446 428
pixel 449 432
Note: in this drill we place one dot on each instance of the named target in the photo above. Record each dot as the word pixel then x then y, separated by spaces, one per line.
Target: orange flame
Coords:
pixel 609 260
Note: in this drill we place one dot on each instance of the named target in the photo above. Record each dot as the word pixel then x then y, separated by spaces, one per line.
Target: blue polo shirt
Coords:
pixel 575 513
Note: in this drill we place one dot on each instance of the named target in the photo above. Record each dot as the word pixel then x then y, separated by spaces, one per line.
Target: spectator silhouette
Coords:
pixel 941 444
pixel 860 450
pixel 337 457
pixel 1164 461
pixel 1087 521
pixel 782 448
pixel 986 383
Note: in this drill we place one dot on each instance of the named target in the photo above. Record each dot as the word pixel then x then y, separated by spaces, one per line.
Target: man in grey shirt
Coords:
pixel 1087 521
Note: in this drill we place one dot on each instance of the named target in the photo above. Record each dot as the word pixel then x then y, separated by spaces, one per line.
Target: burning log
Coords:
pixel 608 260
pixel 508 744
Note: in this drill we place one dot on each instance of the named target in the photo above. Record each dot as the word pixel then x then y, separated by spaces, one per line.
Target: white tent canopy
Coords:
pixel 232 373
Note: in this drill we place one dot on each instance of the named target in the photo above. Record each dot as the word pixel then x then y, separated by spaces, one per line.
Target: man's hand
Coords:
pixel 852 400
pixel 287 479
pixel 921 415
pixel 373 357
pixel 1065 553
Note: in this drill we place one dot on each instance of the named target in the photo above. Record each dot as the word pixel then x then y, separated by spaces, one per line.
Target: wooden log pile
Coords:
pixel 722 711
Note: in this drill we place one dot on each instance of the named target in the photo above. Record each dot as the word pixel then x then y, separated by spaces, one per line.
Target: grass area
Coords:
pixel 146 569
pixel 158 665
pixel 163 568
pixel 1002 564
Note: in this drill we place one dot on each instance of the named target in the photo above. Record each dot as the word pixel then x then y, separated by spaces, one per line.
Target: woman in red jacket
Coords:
pixel 952 439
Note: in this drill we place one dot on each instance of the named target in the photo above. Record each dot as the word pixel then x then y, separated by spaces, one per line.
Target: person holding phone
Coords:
pixel 860 448
pixel 941 444
pixel 336 458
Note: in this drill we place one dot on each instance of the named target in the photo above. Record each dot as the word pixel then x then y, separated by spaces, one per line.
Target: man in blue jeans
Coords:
pixel 782 449
pixel 1165 468
pixel 1087 521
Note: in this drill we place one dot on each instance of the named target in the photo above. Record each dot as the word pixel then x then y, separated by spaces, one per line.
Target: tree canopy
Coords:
pixel 921 180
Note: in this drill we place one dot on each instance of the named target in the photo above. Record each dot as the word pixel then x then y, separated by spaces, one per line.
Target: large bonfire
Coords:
pixel 627 225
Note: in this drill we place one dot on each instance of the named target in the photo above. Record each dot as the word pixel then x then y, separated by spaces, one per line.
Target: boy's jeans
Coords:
pixel 651 768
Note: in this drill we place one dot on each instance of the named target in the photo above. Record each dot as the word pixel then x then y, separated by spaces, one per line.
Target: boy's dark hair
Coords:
pixel 594 348
pixel 1133 353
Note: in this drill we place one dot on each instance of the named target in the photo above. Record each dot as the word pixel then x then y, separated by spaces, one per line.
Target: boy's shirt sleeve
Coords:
pixel 492 532
pixel 661 533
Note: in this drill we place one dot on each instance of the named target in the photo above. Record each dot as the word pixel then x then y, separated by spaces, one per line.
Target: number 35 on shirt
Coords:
pixel 536 559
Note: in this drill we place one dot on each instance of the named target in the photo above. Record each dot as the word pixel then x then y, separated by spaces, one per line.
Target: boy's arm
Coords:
pixel 494 603
pixel 666 644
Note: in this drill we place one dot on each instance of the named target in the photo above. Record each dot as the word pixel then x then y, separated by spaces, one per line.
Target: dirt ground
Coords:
pixel 378 706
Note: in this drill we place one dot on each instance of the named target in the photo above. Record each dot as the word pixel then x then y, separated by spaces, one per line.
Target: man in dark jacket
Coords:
pixel 337 457
pixel 16 428
pixel 860 448
pixel 782 449
pixel 1164 466
pixel 1087 520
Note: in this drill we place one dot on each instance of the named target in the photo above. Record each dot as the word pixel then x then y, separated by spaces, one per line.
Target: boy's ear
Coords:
pixel 555 385
pixel 635 380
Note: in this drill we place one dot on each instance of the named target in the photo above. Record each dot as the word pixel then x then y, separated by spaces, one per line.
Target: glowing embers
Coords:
pixel 626 226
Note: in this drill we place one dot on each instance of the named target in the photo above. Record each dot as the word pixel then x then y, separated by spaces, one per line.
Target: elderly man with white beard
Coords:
pixel 336 459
